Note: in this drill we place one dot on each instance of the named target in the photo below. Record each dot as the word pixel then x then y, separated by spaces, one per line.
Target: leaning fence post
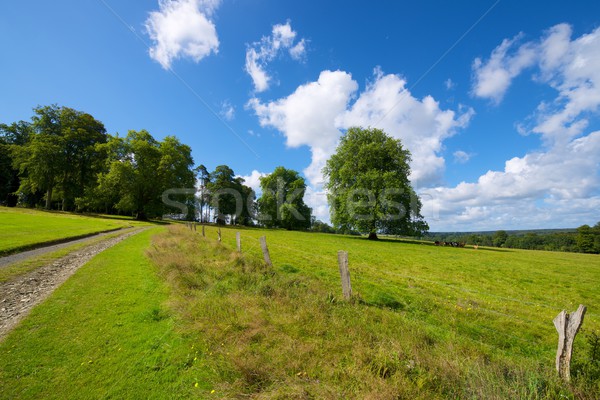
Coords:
pixel 265 250
pixel 238 241
pixel 345 274
pixel 567 326
pixel 219 233
pixel 203 235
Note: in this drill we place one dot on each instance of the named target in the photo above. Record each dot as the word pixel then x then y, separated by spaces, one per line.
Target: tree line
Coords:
pixel 585 239
pixel 64 159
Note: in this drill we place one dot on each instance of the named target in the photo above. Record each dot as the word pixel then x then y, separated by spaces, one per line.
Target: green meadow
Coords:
pixel 22 228
pixel 170 314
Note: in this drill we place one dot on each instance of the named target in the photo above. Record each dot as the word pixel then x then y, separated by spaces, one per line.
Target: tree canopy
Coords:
pixel 146 168
pixel 281 204
pixel 368 185
pixel 60 158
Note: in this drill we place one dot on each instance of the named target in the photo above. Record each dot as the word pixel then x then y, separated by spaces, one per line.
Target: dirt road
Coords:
pixel 20 295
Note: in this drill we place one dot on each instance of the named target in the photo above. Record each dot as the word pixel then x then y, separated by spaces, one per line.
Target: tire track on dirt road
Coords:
pixel 19 295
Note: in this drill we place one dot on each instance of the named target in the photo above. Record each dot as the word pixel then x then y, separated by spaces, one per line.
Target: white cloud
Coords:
pixel 182 29
pixel 299 50
pixel 461 156
pixel 449 84
pixel 528 193
pixel 558 185
pixel 253 180
pixel 317 112
pixel 494 76
pixel 260 54
pixel 571 67
pixel 227 110
pixel 420 124
pixel 307 117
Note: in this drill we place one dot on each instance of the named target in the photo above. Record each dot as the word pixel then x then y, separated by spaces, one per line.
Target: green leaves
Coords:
pixel 282 202
pixel 368 185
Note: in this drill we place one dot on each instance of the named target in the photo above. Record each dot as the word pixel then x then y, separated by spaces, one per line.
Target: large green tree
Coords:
pixel 231 200
pixel 368 185
pixel 146 169
pixel 281 204
pixel 61 157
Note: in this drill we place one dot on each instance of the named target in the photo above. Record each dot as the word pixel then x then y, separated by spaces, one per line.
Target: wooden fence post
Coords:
pixel 265 250
pixel 238 241
pixel 567 326
pixel 194 223
pixel 203 234
pixel 345 274
pixel 219 233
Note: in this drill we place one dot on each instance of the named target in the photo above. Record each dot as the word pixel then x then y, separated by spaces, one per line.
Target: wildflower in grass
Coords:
pixel 196 384
pixel 212 391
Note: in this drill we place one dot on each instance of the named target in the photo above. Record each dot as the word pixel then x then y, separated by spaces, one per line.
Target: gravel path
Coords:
pixel 20 295
pixel 13 258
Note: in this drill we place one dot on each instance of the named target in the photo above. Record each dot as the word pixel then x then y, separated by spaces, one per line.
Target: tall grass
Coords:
pixel 283 332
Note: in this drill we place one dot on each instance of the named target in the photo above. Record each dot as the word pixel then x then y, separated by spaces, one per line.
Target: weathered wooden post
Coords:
pixel 265 250
pixel 219 233
pixel 345 274
pixel 567 326
pixel 194 226
pixel 203 234
pixel 238 241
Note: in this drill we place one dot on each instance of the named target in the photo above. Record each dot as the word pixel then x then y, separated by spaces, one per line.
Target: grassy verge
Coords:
pixel 103 334
pixel 22 229
pixel 20 268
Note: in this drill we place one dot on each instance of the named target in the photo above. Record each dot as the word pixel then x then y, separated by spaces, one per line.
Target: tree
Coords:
pixel 499 238
pixel 368 185
pixel 12 138
pixel 204 180
pixel 60 158
pixel 225 195
pixel 585 239
pixel 143 170
pixel 281 204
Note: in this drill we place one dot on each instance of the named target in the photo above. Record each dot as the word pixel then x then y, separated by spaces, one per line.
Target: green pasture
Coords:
pixel 24 228
pixel 169 314
pixel 105 333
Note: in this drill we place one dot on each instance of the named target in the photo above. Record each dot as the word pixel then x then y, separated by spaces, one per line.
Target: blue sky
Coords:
pixel 498 101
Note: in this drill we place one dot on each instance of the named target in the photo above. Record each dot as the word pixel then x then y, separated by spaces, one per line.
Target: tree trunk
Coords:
pixel 49 198
pixel 373 236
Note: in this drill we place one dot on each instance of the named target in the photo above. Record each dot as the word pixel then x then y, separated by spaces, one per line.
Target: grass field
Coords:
pixel 104 334
pixel 198 320
pixel 19 268
pixel 23 228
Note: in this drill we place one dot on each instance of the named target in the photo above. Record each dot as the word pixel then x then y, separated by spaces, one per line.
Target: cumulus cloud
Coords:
pixel 253 180
pixel 182 29
pixel 493 76
pixel 317 112
pixel 563 178
pixel 421 124
pixel 260 54
pixel 308 116
pixel 526 192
